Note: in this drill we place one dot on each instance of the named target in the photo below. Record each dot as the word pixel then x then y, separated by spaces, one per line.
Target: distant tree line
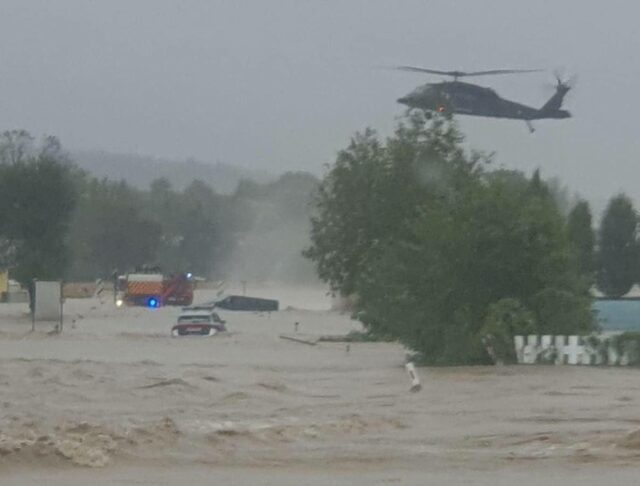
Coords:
pixel 57 221
pixel 116 228
pixel 452 258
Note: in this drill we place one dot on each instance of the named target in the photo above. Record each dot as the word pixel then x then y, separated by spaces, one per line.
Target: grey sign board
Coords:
pixel 48 301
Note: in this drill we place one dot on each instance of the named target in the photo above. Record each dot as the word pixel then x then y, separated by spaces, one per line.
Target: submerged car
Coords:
pixel 198 322
pixel 243 303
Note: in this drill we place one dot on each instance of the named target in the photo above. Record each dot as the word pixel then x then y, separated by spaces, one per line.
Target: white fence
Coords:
pixel 573 350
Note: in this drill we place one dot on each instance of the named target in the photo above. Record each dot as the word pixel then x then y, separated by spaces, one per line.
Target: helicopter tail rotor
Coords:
pixel 563 80
pixel 562 86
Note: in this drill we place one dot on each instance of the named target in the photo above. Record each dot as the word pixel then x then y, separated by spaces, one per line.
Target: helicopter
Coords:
pixel 457 97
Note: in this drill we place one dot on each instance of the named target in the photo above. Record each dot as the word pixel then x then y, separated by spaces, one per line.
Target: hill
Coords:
pixel 140 170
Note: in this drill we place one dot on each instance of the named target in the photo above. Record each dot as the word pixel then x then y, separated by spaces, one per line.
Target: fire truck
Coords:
pixel 153 289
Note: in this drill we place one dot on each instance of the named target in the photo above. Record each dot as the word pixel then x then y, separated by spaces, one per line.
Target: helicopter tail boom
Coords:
pixel 555 102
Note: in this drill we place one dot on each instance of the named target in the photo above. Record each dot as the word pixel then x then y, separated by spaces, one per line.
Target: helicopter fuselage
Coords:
pixel 462 98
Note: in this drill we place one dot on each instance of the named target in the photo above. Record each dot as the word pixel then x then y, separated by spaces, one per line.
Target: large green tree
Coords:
pixel 428 240
pixel 350 209
pixel 374 189
pixel 618 247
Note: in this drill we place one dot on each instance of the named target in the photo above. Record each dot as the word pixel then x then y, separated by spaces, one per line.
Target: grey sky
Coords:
pixel 283 84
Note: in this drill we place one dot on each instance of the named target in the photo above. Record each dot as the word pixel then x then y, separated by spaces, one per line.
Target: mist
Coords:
pixel 269 247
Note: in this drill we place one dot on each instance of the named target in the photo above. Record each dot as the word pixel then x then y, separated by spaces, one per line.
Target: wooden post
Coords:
pixel 32 304
pixel 61 305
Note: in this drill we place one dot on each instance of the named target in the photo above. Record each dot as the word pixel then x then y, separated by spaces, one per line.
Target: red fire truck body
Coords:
pixel 155 289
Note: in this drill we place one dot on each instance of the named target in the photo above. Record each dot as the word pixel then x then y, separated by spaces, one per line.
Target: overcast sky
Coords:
pixel 283 84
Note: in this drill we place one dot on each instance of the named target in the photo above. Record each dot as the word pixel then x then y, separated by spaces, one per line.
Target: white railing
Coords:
pixel 573 350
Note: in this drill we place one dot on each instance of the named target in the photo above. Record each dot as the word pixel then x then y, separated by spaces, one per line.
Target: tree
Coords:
pixel 38 196
pixel 582 237
pixel 505 319
pixel 199 229
pixel 372 190
pixel 429 240
pixel 192 236
pixel 119 227
pixel 344 233
pixel 15 146
pixel 109 230
pixel 618 248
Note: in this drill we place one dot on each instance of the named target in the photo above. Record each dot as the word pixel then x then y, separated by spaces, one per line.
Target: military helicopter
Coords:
pixel 457 97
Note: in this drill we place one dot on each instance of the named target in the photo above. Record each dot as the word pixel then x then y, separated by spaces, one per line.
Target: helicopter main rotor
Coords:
pixel 461 74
